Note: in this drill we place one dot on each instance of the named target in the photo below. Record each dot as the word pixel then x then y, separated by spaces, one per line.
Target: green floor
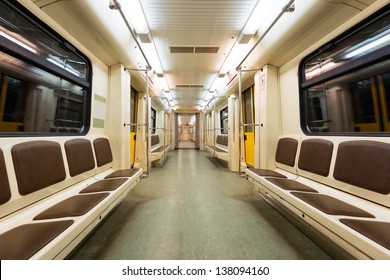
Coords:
pixel 195 208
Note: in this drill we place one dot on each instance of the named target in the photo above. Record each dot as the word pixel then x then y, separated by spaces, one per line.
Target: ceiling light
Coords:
pixel 262 11
pixel 133 12
pixel 151 53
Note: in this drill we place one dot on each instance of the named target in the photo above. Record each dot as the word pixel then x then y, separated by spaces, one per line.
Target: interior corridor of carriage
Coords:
pixel 194 207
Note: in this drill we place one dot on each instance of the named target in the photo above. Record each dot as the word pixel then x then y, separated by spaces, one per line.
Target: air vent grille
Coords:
pixel 206 49
pixel 194 49
pixel 189 86
pixel 178 49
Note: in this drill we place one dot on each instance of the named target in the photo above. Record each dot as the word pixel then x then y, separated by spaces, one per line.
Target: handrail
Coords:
pixel 250 124
pixel 214 97
pixel 134 124
pixel 146 124
pixel 214 129
pixel 239 118
pixel 119 8
pixel 162 128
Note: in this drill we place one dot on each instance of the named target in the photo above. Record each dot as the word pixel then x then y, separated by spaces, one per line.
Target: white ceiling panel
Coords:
pixel 192 24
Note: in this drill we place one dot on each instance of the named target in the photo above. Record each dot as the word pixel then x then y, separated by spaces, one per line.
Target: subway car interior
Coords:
pixel 194 129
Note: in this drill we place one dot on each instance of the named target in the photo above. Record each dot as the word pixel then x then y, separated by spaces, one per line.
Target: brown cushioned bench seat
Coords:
pixel 217 149
pixel 331 205
pixel 284 161
pixel 377 231
pixel 22 242
pixel 104 156
pixel 211 147
pixel 73 206
pixel 104 185
pixel 160 149
pixel 290 185
pixel 266 173
pixel 56 179
pixel 122 173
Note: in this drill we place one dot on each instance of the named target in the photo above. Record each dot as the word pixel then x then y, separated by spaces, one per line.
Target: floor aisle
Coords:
pixel 195 208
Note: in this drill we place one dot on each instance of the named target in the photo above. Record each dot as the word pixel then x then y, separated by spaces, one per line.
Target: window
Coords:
pixel 345 85
pixel 44 80
pixel 224 114
pixel 153 118
pixel 249 109
pixel 133 108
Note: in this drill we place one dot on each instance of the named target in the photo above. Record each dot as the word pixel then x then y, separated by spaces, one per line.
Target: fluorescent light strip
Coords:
pixel 381 42
pixel 133 11
pixel 16 41
pixel 260 13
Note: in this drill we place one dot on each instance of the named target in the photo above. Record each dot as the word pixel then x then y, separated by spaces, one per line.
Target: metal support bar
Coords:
pixel 134 124
pixel 239 118
pixel 148 68
pixel 135 69
pixel 214 97
pixel 163 128
pixel 118 6
pixel 214 128
pixel 249 124
pixel 163 97
pixel 250 70
pixel 148 164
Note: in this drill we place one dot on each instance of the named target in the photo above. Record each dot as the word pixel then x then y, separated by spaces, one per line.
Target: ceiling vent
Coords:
pixel 193 49
pixel 206 49
pixel 178 49
pixel 189 86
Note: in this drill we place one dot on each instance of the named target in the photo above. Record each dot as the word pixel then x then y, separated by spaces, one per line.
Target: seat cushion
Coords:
pixel 290 185
pixel 286 151
pixel 22 242
pixel 122 173
pixel 315 156
pixel 102 151
pixel 80 156
pixel 73 206
pixel 266 173
pixel 38 164
pixel 377 231
pixel 365 164
pixel 331 205
pixel 104 185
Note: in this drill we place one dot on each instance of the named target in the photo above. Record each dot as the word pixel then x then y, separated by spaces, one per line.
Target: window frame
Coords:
pixel 355 65
pixel 153 120
pixel 18 52
pixel 222 118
